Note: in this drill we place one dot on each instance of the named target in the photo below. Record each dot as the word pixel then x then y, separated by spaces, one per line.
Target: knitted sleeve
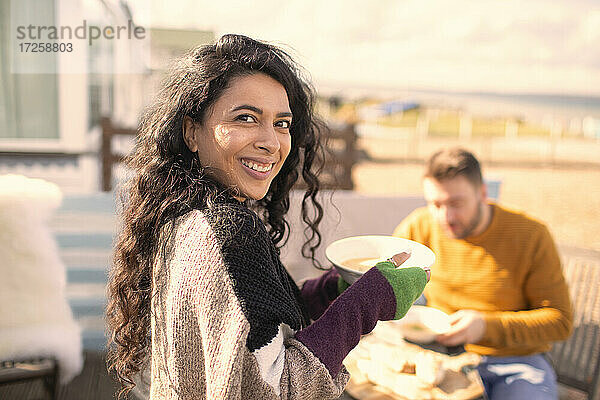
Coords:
pixel 549 317
pixel 235 310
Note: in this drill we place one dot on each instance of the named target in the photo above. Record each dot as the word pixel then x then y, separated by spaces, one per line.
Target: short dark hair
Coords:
pixel 453 162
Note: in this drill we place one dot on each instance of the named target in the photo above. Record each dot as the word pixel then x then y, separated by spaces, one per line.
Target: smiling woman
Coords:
pixel 245 139
pixel 197 291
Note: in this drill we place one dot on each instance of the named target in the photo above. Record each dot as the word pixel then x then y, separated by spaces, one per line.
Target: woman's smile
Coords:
pixel 258 166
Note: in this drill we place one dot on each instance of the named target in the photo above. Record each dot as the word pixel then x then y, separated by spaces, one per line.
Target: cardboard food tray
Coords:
pixel 374 375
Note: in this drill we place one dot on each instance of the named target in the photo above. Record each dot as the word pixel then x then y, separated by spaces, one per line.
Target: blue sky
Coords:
pixel 460 45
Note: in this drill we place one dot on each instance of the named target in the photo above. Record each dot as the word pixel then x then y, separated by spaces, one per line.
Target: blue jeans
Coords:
pixel 520 377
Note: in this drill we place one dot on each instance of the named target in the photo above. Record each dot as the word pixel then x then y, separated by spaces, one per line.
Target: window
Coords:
pixel 28 101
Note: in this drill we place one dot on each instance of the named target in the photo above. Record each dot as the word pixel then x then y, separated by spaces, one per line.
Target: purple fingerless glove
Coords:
pixel 375 296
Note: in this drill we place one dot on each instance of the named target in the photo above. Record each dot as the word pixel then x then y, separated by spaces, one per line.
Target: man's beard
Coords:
pixel 473 224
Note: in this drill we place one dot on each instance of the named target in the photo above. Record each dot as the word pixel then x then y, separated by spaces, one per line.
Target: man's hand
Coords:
pixel 467 326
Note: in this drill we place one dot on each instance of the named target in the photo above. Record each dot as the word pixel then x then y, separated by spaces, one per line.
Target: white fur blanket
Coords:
pixel 35 318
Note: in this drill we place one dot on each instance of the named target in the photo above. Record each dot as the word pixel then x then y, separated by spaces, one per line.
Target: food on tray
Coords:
pixel 429 368
pixel 386 363
pixel 408 368
pixel 426 365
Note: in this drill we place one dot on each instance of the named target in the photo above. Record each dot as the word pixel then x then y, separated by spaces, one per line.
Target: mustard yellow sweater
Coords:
pixel 511 273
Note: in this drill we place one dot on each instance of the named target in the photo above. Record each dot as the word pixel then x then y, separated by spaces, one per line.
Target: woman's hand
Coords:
pixel 400 258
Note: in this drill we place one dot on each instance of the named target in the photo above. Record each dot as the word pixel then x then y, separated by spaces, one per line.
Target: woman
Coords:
pixel 197 288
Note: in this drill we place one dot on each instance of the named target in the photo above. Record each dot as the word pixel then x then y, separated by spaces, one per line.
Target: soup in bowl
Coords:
pixel 355 255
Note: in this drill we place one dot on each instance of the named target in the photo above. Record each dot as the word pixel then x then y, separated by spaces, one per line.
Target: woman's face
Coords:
pixel 245 137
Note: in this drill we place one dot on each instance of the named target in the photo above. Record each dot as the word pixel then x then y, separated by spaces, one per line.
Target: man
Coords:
pixel 498 274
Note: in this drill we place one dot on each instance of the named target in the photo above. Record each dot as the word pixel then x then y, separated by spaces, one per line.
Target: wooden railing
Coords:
pixel 107 156
pixel 340 155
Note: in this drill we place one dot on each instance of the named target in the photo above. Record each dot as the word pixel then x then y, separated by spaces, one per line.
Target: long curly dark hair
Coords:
pixel 168 180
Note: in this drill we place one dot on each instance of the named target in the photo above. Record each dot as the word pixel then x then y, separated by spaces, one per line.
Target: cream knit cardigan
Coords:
pixel 202 326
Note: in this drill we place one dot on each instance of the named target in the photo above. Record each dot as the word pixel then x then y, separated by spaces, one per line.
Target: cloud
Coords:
pixel 538 45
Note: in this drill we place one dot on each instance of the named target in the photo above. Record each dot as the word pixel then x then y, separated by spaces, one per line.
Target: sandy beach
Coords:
pixel 567 199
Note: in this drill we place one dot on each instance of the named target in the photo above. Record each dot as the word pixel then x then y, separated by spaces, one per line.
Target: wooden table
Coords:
pixel 376 362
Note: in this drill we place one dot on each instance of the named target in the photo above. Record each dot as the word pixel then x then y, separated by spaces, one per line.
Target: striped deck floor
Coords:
pixel 93 383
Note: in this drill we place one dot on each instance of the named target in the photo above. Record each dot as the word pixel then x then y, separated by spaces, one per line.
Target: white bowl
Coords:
pixel 422 324
pixel 366 251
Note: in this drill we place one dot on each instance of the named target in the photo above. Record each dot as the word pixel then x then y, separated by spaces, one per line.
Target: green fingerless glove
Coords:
pixel 407 283
pixel 342 285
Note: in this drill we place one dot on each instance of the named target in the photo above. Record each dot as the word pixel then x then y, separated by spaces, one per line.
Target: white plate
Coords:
pixel 422 324
pixel 371 249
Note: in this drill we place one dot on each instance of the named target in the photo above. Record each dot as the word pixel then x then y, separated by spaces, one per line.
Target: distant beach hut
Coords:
pixel 396 106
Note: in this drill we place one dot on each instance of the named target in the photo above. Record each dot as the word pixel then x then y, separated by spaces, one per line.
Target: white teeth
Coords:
pixel 257 167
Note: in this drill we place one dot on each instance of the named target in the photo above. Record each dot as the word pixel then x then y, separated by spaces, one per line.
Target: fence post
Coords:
pixel 421 131
pixel 107 157
pixel 106 154
pixel 465 126
pixel 346 158
pixel 422 127
pixel 555 134
pixel 511 129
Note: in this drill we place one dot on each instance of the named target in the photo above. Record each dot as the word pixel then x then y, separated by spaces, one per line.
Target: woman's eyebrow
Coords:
pixel 247 107
pixel 259 111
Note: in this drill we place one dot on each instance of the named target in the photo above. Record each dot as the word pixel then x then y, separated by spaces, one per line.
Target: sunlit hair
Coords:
pixel 452 162
pixel 168 180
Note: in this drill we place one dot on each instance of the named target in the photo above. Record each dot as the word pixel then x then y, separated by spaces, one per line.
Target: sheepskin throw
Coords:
pixel 35 318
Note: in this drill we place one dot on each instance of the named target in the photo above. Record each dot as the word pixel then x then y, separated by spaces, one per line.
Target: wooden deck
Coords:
pixel 93 383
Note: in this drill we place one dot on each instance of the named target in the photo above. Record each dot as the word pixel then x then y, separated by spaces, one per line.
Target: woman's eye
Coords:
pixel 246 118
pixel 284 123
